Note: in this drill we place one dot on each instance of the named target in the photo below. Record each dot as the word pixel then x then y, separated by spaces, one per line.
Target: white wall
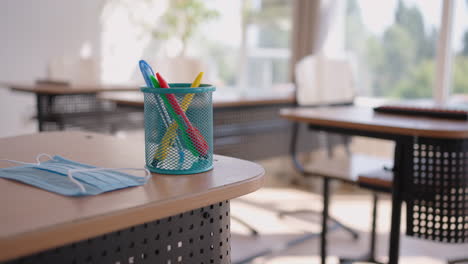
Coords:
pixel 31 33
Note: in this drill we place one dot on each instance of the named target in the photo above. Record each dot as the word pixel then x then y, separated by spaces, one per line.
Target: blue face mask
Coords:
pixel 71 178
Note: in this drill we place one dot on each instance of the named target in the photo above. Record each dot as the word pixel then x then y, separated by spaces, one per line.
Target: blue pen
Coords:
pixel 147 71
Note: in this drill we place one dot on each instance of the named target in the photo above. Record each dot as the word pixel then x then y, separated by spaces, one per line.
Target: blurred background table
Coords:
pixel 59 105
pixel 244 127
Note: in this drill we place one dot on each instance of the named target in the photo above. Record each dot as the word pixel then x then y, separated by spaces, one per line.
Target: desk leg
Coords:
pixel 40 112
pixel 326 194
pixel 323 238
pixel 397 199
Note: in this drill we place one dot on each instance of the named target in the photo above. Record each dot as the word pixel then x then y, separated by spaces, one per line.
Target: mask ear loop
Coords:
pixel 38 160
pixel 38 157
pixel 83 189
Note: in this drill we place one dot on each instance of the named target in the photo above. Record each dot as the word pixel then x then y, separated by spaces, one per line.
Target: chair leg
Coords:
pixel 456 261
pixel 373 238
pixel 352 232
pixel 370 256
pixel 300 168
pixel 346 144
pixel 251 229
pixel 328 145
pixel 323 237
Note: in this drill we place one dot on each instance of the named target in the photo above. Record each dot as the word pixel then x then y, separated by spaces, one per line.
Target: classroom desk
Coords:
pixel 171 219
pixel 59 102
pixel 405 131
pixel 60 89
pixel 136 99
pixel 243 126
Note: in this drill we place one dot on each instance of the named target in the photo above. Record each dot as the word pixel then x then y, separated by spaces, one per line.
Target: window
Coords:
pixel 392 46
pixel 245 48
pixel 249 45
pixel 459 87
pixel 268 25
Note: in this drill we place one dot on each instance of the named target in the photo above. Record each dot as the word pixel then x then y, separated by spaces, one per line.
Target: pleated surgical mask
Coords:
pixel 71 178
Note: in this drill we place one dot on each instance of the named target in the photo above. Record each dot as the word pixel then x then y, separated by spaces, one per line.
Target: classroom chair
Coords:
pixel 322 81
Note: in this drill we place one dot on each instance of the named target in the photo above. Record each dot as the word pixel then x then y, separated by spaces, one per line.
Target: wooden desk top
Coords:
pixel 58 89
pixel 33 220
pixel 136 99
pixel 365 119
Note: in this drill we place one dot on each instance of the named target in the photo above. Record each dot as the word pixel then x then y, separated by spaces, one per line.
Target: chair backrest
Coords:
pixel 323 81
pixel 74 70
pixel 436 190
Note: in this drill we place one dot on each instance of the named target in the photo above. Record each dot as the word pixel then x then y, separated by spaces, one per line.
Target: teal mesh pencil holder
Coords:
pixel 179 128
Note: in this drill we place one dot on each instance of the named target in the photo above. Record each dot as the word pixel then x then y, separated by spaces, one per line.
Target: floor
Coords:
pixel 260 210
pixel 349 204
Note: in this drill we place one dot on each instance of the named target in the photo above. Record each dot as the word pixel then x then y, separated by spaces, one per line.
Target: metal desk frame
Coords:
pixel 401 145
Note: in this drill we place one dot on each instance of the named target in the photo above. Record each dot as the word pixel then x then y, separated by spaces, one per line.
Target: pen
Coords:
pixel 171 133
pixel 147 72
pixel 151 82
pixel 192 136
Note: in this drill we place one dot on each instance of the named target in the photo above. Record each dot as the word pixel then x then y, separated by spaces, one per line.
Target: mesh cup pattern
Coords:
pixel 173 145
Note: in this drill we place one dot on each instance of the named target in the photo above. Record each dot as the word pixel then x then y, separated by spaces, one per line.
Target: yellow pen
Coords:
pixel 171 134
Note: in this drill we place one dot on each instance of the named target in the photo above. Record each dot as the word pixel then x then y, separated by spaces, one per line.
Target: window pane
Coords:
pixel 259 65
pixel 393 46
pixel 268 28
pixel 244 47
pixel 218 44
pixel 460 50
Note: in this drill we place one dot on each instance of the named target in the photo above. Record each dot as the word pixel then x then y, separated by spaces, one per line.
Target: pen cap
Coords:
pixel 179 128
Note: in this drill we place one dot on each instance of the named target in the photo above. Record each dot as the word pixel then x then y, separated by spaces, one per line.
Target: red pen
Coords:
pixel 197 138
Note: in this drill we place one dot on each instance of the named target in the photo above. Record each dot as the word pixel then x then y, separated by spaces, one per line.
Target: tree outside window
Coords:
pixel 399 62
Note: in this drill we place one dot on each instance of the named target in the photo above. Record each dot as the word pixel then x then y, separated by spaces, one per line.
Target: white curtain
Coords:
pixel 321 72
pixel 312 21
pixel 305 25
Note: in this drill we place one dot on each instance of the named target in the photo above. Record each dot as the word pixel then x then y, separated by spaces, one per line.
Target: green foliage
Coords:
pixel 460 75
pixel 272 12
pixel 418 83
pixel 376 54
pixel 273 21
pixel 400 51
pixel 355 34
pixel 411 19
pixel 272 36
pixel 420 80
pixel 400 63
pixel 464 50
pixel 182 19
pixel 225 58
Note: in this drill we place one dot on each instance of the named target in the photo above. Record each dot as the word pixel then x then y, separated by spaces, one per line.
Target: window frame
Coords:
pixel 444 57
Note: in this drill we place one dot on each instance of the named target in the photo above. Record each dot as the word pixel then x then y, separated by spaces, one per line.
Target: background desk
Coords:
pixel 411 134
pixel 59 106
pixel 244 127
pixel 170 218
